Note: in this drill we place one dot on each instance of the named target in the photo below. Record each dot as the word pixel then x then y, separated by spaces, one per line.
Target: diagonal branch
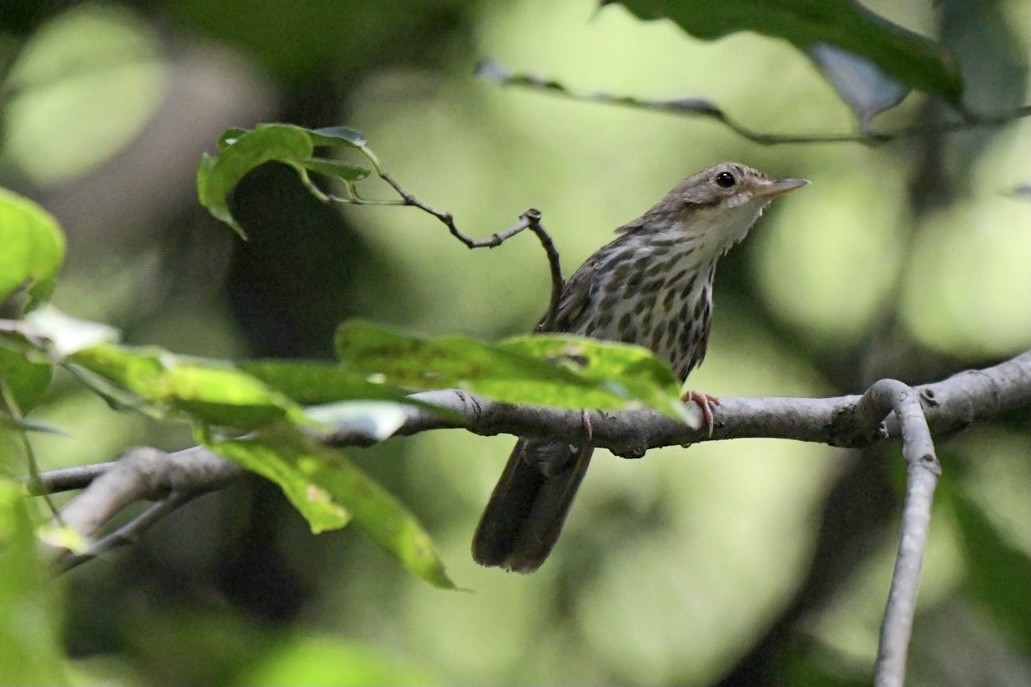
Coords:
pixel 699 107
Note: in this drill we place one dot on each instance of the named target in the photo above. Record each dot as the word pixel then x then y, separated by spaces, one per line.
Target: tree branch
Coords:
pixel 848 421
pixel 922 475
pixel 143 473
pixel 699 107
pixel 888 409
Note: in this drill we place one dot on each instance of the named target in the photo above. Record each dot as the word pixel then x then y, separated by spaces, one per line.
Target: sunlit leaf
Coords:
pixel 296 467
pixel 204 389
pixel 314 382
pixel 31 248
pixel 558 371
pixel 329 490
pixel 629 372
pixel 318 382
pixel 906 56
pixel 30 626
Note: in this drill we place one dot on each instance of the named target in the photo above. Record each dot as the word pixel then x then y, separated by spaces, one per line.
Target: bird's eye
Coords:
pixel 725 180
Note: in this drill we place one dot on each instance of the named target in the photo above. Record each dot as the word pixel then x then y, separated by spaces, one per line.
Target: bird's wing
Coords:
pixel 576 294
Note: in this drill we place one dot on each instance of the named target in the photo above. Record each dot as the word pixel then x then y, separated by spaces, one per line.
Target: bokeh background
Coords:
pixel 733 563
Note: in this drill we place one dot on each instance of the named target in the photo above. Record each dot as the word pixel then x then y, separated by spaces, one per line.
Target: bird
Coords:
pixel 651 286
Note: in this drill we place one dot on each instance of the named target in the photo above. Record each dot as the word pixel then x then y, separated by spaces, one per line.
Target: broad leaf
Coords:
pixel 858 82
pixel 240 151
pixel 206 390
pixel 906 56
pixel 351 401
pixel 557 371
pixel 31 248
pixel 329 490
pixel 25 380
pixel 318 382
pixel 629 372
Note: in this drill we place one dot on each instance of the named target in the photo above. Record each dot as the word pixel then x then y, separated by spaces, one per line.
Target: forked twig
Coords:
pixel 530 219
pixel 128 533
pixel 922 473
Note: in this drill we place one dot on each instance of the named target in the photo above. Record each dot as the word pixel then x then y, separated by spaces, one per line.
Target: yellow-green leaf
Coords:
pixel 328 490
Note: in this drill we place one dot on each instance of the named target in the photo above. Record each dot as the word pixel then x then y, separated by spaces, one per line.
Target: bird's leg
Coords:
pixel 705 402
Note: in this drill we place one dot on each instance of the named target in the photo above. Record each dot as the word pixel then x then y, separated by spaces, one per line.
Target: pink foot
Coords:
pixel 705 402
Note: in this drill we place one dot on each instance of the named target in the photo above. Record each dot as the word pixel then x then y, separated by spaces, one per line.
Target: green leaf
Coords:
pixel 240 151
pixel 558 371
pixel 629 372
pixel 328 490
pixel 999 575
pixel 207 390
pixel 354 401
pixel 26 380
pixel 31 248
pixel 30 626
pixel 318 382
pixel 898 52
pixel 218 176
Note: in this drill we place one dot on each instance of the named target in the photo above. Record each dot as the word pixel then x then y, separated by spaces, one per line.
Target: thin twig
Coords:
pixel 35 479
pixel 67 479
pixel 530 219
pixel 533 218
pixel 699 107
pixel 130 532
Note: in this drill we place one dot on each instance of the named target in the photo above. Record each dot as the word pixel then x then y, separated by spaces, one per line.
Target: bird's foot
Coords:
pixel 705 402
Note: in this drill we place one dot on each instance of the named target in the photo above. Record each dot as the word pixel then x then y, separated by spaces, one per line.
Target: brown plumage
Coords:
pixel 651 286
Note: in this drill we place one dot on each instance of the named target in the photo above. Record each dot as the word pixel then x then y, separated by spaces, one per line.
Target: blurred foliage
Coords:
pixel 907 56
pixel 750 563
pixel 30 651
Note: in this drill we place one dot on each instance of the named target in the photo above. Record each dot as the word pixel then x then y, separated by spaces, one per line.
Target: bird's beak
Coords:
pixel 776 188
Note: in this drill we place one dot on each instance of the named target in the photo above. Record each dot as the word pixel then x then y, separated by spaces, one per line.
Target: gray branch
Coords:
pixel 922 475
pixel 888 409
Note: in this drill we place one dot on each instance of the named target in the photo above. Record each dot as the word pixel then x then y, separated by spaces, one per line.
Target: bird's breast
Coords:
pixel 659 300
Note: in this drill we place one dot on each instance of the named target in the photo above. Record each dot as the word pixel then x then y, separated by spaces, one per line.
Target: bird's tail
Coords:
pixel 525 513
